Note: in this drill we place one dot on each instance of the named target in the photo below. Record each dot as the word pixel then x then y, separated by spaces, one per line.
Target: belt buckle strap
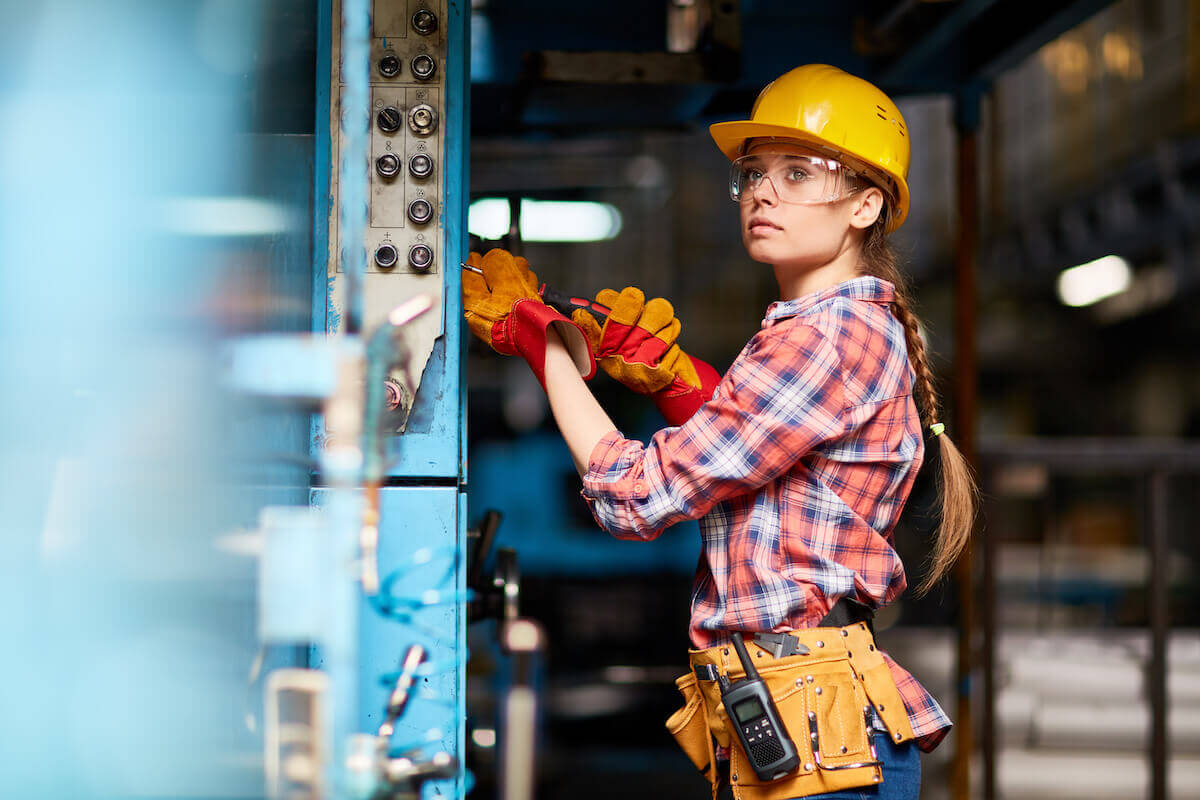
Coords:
pixel 780 644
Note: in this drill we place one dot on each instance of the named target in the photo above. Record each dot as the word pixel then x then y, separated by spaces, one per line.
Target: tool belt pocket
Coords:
pixel 824 709
pixel 837 718
pixel 689 725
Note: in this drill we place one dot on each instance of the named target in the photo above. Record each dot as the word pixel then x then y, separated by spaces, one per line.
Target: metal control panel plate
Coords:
pixel 405 229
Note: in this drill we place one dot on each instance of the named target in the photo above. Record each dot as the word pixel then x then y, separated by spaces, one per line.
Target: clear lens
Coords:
pixel 795 178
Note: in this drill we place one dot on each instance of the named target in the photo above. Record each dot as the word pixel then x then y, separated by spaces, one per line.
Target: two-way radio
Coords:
pixel 756 720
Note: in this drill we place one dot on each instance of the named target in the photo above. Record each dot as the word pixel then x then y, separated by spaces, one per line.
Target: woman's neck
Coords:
pixel 797 281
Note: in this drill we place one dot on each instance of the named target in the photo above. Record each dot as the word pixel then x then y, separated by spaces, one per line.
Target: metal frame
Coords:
pixel 1156 461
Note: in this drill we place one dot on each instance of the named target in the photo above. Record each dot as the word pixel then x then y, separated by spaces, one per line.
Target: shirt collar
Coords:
pixel 864 287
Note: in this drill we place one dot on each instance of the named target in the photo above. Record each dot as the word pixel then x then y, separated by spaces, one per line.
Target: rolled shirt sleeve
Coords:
pixel 782 397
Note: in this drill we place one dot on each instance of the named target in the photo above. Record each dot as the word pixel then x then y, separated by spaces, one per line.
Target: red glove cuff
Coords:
pixel 522 332
pixel 679 401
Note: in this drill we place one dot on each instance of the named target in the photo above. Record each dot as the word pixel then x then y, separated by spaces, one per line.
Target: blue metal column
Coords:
pixel 421 499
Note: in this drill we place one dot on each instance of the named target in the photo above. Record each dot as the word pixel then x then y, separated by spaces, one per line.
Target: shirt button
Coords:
pixel 639 487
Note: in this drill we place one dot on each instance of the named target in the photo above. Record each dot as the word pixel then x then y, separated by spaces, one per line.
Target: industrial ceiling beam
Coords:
pixel 978 40
pixel 934 42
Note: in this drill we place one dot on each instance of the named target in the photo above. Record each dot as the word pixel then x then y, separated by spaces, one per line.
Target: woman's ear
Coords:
pixel 868 205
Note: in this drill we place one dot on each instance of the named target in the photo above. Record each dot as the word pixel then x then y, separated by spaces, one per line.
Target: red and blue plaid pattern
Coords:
pixel 797 469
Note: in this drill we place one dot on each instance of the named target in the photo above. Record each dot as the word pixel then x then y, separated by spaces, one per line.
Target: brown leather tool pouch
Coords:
pixel 823 695
pixel 823 708
pixel 689 725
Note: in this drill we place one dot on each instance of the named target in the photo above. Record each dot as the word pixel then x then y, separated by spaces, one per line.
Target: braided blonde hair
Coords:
pixel 957 492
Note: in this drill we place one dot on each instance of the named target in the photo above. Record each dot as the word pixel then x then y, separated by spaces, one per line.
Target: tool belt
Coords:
pixel 823 682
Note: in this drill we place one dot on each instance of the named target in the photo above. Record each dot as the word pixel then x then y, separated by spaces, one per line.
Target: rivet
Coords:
pixel 849 654
pixel 881 706
pixel 817 690
pixel 845 632
pixel 799 681
pixel 808 767
pixel 871 647
pixel 876 779
pixel 808 678
pixel 844 748
pixel 897 736
pixel 820 644
pixel 726 651
pixel 734 778
pixel 812 715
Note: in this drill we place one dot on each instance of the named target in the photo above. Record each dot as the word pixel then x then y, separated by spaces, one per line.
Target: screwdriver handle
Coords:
pixel 561 301
pixel 566 303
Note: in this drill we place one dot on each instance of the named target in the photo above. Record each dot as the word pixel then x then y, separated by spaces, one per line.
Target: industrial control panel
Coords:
pixel 390 228
pixel 406 168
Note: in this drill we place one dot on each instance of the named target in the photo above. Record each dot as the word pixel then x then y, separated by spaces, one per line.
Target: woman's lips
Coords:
pixel 762 226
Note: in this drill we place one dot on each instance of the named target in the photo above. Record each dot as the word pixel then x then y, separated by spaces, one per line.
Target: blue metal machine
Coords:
pixel 390 230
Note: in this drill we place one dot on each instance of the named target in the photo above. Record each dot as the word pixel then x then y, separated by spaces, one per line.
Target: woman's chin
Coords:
pixel 761 251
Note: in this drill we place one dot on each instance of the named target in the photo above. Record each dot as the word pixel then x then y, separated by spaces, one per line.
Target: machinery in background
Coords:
pixel 371 571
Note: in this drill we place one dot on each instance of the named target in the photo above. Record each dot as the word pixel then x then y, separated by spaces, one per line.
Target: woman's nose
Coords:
pixel 760 193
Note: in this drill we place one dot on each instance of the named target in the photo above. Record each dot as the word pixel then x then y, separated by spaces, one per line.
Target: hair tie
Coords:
pixel 937 428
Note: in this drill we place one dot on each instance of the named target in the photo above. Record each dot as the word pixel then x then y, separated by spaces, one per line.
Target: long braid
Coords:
pixel 923 390
pixel 957 491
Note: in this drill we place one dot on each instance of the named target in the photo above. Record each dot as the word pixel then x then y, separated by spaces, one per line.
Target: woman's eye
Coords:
pixel 797 175
pixel 754 175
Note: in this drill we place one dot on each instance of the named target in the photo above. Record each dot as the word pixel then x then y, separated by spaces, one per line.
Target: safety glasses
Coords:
pixel 795 178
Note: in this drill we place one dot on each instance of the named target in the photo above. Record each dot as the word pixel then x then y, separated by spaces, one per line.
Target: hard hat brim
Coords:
pixel 730 137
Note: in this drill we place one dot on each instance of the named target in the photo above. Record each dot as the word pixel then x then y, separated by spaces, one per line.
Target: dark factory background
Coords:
pixel 1054 250
pixel 1087 147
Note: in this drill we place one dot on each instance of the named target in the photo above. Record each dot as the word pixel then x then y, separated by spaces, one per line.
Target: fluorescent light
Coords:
pixel 546 220
pixel 488 218
pixel 1092 282
pixel 557 221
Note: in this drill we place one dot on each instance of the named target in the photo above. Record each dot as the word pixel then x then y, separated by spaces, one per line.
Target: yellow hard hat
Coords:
pixel 838 114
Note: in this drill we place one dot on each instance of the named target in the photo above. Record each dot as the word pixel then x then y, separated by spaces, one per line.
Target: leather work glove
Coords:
pixel 502 307
pixel 636 346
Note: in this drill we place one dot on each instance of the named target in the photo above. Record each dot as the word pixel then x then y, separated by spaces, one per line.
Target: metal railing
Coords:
pixel 1151 461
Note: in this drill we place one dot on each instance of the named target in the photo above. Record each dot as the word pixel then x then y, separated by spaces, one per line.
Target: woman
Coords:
pixel 797 462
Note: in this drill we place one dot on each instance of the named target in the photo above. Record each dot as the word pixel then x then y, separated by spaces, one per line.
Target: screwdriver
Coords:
pixel 561 301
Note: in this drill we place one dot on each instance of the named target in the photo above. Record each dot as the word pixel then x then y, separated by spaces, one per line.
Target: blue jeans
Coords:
pixel 901 775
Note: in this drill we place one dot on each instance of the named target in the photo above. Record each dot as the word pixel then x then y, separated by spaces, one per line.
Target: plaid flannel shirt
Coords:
pixel 797 469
